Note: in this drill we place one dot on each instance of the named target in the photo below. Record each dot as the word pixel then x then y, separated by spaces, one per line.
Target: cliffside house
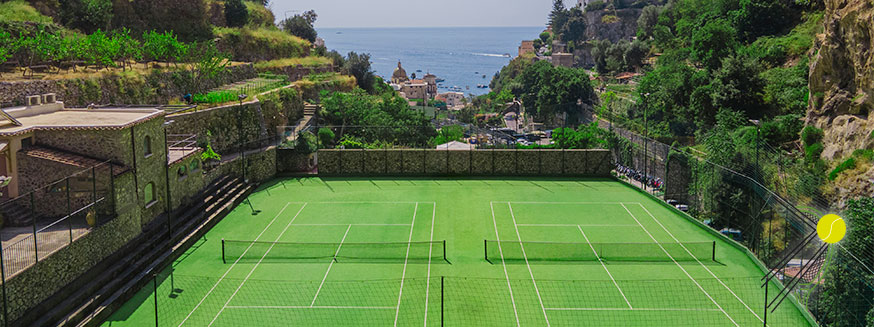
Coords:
pixel 563 59
pixel 43 143
pixel 527 47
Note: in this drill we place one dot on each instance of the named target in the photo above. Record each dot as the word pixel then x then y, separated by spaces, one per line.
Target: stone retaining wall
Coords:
pixel 117 88
pixel 429 162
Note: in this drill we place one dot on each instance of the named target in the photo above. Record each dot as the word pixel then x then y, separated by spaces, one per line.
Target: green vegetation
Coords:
pixel 448 134
pixel 248 44
pixel 21 11
pixel 842 283
pixel 379 120
pixel 301 25
pixel 276 64
pixel 236 13
pixel 848 164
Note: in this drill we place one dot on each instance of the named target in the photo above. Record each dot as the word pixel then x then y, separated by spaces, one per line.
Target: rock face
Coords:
pixel 842 88
pixel 611 28
pixel 842 78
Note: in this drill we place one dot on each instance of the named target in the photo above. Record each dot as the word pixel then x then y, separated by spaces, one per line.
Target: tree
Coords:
pixel 647 21
pixel 86 15
pixel 847 292
pixel 635 53
pixel 544 36
pixel 553 91
pixel 301 26
pixel 739 86
pixel 358 65
pixel 714 41
pixel 558 15
pixel 236 13
pixel 761 17
pixel 326 136
pixel 574 27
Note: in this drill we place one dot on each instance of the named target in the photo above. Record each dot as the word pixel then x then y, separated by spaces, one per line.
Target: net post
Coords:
pixel 444 251
pixel 33 217
pixel 486 249
pixel 155 288
pixel 713 255
pixel 223 252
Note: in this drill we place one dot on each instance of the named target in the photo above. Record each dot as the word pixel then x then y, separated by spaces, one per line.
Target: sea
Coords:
pixel 459 55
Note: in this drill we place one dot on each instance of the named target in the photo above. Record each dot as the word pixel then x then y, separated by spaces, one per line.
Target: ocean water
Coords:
pixel 460 55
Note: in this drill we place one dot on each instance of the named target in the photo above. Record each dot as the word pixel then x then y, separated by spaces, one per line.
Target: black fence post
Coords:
pixel 33 217
pixel 486 249
pixel 3 280
pixel 223 252
pixel 155 288
pixel 69 211
pixel 442 286
pixel 444 250
pixel 94 187
pixel 713 256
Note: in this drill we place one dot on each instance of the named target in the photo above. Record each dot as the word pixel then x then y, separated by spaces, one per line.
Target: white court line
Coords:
pixel 256 264
pixel 304 307
pixel 329 266
pixel 498 238
pixel 234 264
pixel 568 203
pixel 630 309
pixel 352 224
pixel 573 225
pixel 364 202
pixel 531 272
pixel 605 267
pixel 699 262
pixel 406 258
pixel 430 251
pixel 680 266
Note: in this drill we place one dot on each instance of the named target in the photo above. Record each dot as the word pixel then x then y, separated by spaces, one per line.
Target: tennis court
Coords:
pixel 456 252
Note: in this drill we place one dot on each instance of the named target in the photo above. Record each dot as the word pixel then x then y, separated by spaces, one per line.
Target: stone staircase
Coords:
pixel 15 215
pixel 92 297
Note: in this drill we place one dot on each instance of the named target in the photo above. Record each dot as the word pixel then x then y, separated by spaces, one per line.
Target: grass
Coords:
pixel 255 44
pixel 292 62
pixel 250 87
pixel 341 282
pixel 21 11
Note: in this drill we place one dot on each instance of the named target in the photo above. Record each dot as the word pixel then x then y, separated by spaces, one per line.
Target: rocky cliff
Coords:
pixel 842 87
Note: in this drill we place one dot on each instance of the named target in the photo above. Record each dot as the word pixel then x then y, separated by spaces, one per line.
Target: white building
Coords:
pixel 452 99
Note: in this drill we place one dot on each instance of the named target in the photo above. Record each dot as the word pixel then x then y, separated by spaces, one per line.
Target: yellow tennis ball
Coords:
pixel 831 228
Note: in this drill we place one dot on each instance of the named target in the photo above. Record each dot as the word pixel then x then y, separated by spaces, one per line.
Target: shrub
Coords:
pixel 326 136
pixel 811 135
pixel 609 19
pixel 850 163
pixel 236 13
pixel 812 152
pixel 306 143
pixel 596 5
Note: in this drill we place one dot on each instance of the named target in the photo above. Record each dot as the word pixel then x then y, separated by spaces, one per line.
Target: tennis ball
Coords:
pixel 831 228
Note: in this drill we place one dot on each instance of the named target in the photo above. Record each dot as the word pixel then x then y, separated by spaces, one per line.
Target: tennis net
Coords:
pixel 397 252
pixel 495 251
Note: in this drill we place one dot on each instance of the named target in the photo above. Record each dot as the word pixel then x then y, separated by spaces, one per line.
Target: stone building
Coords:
pixel 563 59
pixel 453 99
pixel 526 48
pixel 44 142
pixel 416 88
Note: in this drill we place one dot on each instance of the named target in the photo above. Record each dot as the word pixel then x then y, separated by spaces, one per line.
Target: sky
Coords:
pixel 419 13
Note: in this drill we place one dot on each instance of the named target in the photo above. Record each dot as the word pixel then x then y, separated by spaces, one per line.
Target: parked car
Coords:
pixel 672 202
pixel 683 207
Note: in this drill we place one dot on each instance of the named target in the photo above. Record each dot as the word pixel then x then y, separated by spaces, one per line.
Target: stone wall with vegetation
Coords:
pixel 186 180
pixel 157 87
pixel 232 125
pixel 430 162
pixel 298 72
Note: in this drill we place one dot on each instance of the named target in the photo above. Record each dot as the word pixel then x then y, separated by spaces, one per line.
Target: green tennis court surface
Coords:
pixel 456 252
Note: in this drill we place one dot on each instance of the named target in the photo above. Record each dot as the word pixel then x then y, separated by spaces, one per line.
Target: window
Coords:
pixel 181 172
pixel 147 146
pixel 195 165
pixel 150 194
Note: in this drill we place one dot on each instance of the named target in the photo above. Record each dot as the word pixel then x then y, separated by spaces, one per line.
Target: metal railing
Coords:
pixel 49 218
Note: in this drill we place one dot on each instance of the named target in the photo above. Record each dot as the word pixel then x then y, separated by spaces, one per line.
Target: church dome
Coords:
pixel 399 75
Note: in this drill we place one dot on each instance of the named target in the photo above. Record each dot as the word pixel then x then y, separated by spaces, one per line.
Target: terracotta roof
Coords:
pixel 68 158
